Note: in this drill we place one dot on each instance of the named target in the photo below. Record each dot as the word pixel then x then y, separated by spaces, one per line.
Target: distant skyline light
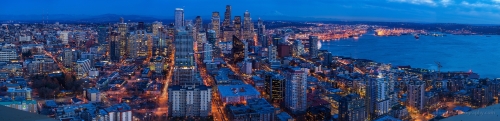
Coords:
pixel 428 11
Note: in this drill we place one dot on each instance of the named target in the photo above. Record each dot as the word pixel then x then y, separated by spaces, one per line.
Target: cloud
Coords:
pixel 481 5
pixel 417 2
pixel 496 1
pixel 444 3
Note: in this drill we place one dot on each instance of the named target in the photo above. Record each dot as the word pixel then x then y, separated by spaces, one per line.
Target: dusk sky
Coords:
pixel 449 11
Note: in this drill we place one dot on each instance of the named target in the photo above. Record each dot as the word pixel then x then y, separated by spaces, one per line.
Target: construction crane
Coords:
pixel 439 66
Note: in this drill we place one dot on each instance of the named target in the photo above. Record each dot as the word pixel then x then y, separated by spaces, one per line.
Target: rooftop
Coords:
pixel 482 114
pixel 237 90
pixel 11 114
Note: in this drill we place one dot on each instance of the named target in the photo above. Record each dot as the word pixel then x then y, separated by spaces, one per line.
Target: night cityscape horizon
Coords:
pixel 390 60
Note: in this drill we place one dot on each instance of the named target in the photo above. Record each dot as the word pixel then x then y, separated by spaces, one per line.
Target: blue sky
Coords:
pixel 453 11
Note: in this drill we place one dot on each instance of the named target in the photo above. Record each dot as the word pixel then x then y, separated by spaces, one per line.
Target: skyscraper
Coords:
pixel 198 25
pixel 123 30
pixel 179 17
pixel 238 50
pixel 140 26
pixel 114 47
pixel 296 89
pixel 184 64
pixel 216 24
pixel 261 35
pixel 212 39
pixel 227 17
pixel 313 46
pixel 237 26
pixel 156 27
pixel 370 97
pixel 247 26
pixel 416 90
pixel 68 57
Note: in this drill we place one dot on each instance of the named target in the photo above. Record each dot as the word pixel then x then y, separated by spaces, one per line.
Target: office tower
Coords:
pixel 313 46
pixel 275 87
pixel 275 40
pixel 298 48
pixel 207 52
pixel 212 39
pixel 247 26
pixel 114 47
pixel 327 58
pixel 272 53
pixel 68 57
pixel 160 43
pixel 238 50
pixel 64 37
pixel 227 17
pixel 296 89
pixel 216 24
pixel 201 37
pixel 140 26
pixel 184 101
pixel 123 30
pixel 184 64
pixel 156 27
pixel 102 33
pixel 237 26
pixel 261 33
pixel 351 107
pixel 370 97
pixel 227 34
pixel 198 25
pixel 179 17
pixel 416 95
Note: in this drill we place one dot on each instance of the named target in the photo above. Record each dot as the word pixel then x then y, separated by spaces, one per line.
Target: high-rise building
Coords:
pixel 227 17
pixel 216 24
pixel 383 99
pixel 238 50
pixel 298 48
pixel 114 47
pixel 261 33
pixel 370 97
pixel 247 26
pixel 140 26
pixel 207 52
pixel 68 57
pixel 212 39
pixel 296 89
pixel 416 94
pixel 184 64
pixel 275 86
pixel 102 33
pixel 237 26
pixel 82 68
pixel 351 107
pixel 198 25
pixel 64 37
pixel 272 53
pixel 123 30
pixel 156 27
pixel 313 46
pixel 201 38
pixel 186 101
pixel 179 17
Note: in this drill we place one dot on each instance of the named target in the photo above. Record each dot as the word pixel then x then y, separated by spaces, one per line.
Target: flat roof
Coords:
pixel 237 90
pixel 11 114
pixel 482 114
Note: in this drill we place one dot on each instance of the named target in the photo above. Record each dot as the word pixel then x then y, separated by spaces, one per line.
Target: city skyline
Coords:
pixel 426 11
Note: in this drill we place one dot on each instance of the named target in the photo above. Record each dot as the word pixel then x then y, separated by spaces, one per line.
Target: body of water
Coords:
pixel 480 54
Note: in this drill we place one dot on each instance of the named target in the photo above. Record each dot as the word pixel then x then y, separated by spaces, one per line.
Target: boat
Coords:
pixel 356 37
pixel 416 36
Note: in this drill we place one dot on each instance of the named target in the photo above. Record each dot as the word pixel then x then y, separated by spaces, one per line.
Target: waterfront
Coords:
pixel 455 52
